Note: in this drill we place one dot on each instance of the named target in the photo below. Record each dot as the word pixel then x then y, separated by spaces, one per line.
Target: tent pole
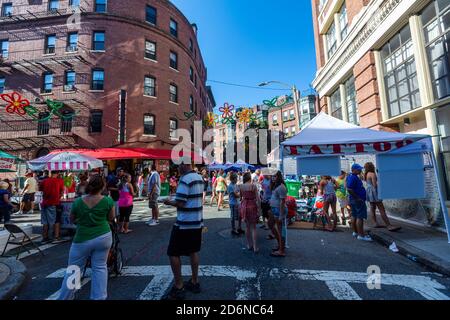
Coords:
pixel 441 196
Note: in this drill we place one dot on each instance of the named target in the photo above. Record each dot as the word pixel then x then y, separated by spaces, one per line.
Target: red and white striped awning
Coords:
pixel 65 161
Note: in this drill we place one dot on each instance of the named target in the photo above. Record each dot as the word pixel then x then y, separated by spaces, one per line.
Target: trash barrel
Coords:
pixel 293 188
pixel 165 189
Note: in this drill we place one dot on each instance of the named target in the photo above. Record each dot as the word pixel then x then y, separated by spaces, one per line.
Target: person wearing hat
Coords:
pixel 28 193
pixel 357 199
pixel 5 204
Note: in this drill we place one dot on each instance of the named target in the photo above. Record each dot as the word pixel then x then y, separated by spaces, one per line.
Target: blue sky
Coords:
pixel 251 41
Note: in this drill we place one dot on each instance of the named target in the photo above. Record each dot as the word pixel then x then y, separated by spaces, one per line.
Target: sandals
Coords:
pixel 270 237
pixel 277 254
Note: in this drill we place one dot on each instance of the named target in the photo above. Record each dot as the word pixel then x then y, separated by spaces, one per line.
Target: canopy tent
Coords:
pixel 63 161
pixel 216 166
pixel 127 153
pixel 326 135
pixel 240 166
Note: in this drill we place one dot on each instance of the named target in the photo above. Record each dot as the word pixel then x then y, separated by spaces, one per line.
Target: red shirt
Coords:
pixel 291 204
pixel 52 189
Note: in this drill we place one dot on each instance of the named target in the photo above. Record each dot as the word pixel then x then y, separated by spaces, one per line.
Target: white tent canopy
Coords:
pixel 326 135
pixel 333 136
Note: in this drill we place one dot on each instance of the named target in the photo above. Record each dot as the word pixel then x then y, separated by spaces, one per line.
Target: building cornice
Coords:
pixel 372 24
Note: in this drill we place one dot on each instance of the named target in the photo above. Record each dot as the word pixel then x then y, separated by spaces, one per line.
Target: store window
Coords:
pixel 400 75
pixel 352 105
pixel 443 121
pixel 436 21
pixel 335 104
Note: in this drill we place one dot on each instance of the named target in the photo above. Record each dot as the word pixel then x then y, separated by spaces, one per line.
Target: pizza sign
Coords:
pixel 6 164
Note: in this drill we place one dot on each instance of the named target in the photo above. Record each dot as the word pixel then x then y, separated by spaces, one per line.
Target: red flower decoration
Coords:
pixel 16 103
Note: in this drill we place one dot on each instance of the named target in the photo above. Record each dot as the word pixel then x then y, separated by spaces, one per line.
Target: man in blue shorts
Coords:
pixel 358 205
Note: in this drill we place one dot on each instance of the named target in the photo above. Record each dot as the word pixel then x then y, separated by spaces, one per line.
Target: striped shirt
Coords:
pixel 190 191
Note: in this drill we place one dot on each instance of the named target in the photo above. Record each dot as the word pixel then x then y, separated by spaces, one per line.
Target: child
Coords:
pixel 233 192
pixel 320 213
pixel 291 204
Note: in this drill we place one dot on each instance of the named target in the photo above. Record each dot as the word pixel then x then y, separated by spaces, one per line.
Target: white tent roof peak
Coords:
pixel 327 130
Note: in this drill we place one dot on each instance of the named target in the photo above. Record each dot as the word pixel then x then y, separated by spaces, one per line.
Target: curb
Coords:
pixel 15 280
pixel 428 260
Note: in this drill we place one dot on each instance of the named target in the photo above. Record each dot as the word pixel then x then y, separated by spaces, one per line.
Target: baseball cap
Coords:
pixel 356 167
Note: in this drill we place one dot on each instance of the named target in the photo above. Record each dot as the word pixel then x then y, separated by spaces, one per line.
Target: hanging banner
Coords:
pixel 7 164
pixel 354 148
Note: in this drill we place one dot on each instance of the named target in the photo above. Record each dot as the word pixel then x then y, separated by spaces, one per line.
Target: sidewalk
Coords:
pixel 420 244
pixel 12 276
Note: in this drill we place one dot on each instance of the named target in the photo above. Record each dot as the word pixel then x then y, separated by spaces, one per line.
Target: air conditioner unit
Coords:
pixel 68 88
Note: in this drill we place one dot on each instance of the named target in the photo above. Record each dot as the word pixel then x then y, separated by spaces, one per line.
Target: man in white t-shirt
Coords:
pixel 154 191
pixel 28 194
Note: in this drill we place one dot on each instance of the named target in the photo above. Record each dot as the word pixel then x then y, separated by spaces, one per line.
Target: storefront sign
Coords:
pixel 163 165
pixel 6 164
pixel 357 148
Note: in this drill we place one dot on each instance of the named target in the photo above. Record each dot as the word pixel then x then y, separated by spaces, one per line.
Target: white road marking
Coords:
pixel 341 290
pixel 34 251
pixel 249 285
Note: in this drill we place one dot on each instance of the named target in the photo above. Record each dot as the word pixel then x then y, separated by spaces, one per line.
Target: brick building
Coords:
pixel 385 64
pixel 127 73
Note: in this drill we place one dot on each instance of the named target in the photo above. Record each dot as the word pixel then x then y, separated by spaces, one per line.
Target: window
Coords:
pixel 174 28
pixel 191 103
pixel 285 116
pixel 400 76
pixel 74 3
pixel 322 4
pixel 173 93
pixel 275 119
pixel 150 50
pixel 95 125
pixel 100 6
pixel 150 86
pixel 72 42
pixel 293 131
pixel 191 74
pixel 195 80
pixel 98 41
pixel 331 41
pixel 286 132
pixel 69 80
pixel 150 15
pixel 343 21
pixel 7 10
pixel 443 125
pixel 191 45
pixel 352 106
pixel 292 114
pixel 149 125
pixel 66 121
pixel 2 84
pixel 335 104
pixel 98 79
pixel 173 60
pixel 43 125
pixel 173 126
pixel 47 86
pixel 53 5
pixel 4 47
pixel 436 21
pixel 50 44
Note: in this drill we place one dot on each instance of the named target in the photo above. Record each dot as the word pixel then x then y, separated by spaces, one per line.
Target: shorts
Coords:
pixel 234 212
pixel 183 243
pixel 265 208
pixel 28 197
pixel 330 198
pixel 343 202
pixel 359 209
pixel 276 212
pixel 48 215
pixel 153 201
pixel 59 213
pixel 220 191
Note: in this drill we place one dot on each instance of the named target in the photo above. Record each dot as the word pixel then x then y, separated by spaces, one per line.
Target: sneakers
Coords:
pixel 176 294
pixel 354 235
pixel 153 223
pixel 365 238
pixel 194 288
pixel 19 212
pixel 29 212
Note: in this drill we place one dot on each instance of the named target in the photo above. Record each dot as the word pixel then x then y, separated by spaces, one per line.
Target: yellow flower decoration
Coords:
pixel 211 119
pixel 246 116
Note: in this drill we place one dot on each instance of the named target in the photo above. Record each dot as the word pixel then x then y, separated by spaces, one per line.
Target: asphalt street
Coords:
pixel 319 266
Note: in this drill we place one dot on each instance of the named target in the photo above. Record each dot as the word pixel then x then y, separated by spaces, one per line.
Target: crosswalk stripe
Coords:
pixel 342 290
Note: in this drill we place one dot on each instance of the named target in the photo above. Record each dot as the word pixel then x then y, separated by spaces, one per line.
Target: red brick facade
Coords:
pixel 124 65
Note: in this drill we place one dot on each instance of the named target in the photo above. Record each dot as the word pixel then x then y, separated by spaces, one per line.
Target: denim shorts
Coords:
pixel 48 215
pixel 276 212
pixel 359 209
